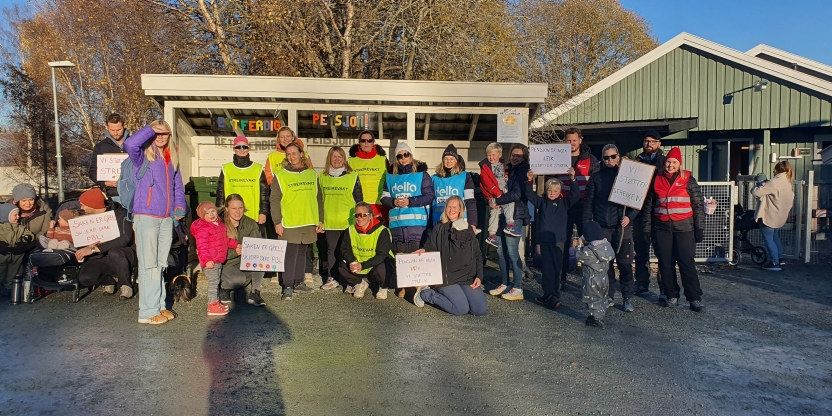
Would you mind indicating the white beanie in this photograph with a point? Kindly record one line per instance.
(402, 146)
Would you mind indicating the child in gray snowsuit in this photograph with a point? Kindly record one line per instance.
(595, 256)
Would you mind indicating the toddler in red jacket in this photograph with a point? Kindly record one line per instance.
(493, 182)
(212, 245)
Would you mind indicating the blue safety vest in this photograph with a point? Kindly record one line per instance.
(408, 185)
(444, 188)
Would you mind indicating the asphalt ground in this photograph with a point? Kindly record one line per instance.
(761, 348)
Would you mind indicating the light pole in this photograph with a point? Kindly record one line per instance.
(60, 165)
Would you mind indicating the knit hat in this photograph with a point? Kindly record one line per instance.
(403, 147)
(592, 231)
(23, 191)
(93, 198)
(654, 134)
(674, 153)
(240, 140)
(450, 151)
(6, 210)
(67, 214)
(203, 207)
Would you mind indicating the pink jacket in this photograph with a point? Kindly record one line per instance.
(212, 241)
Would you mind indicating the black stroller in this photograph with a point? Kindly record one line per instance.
(744, 221)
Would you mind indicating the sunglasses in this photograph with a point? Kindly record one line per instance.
(366, 140)
(241, 147)
(611, 157)
(361, 215)
(401, 156)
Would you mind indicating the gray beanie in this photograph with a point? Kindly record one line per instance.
(23, 191)
(402, 146)
(5, 212)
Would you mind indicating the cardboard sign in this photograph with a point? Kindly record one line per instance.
(108, 167)
(418, 269)
(263, 255)
(550, 159)
(93, 228)
(632, 183)
(511, 125)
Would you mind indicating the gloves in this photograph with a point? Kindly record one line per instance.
(699, 234)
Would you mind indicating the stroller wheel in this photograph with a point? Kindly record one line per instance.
(759, 256)
(735, 259)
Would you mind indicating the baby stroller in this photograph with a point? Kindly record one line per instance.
(744, 221)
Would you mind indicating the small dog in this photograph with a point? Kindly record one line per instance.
(181, 288)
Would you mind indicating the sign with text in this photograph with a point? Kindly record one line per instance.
(263, 255)
(108, 166)
(550, 159)
(511, 125)
(418, 269)
(93, 228)
(632, 183)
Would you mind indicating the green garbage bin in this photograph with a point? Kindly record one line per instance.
(201, 188)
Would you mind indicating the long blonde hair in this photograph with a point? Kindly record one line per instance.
(440, 168)
(784, 166)
(151, 151)
(444, 218)
(339, 150)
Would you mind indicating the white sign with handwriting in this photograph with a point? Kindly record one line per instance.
(93, 228)
(108, 166)
(418, 269)
(550, 159)
(632, 183)
(263, 255)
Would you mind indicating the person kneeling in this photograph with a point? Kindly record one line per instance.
(460, 292)
(364, 248)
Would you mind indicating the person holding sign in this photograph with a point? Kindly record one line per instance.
(297, 212)
(370, 162)
(408, 194)
(451, 179)
(460, 292)
(652, 155)
(245, 178)
(112, 143)
(340, 190)
(616, 223)
(239, 226)
(364, 249)
(677, 224)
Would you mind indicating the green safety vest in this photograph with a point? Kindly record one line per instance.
(275, 161)
(370, 173)
(339, 203)
(299, 203)
(364, 245)
(246, 183)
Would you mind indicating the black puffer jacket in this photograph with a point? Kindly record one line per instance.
(516, 192)
(459, 251)
(597, 207)
(106, 145)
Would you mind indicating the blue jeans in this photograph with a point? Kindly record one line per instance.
(772, 241)
(458, 299)
(508, 251)
(153, 239)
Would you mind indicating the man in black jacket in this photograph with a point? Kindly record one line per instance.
(112, 142)
(652, 155)
(615, 220)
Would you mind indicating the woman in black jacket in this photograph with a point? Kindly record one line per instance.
(459, 250)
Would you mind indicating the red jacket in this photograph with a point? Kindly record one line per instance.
(488, 182)
(212, 241)
(672, 199)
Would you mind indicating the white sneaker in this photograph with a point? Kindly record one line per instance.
(349, 290)
(361, 288)
(381, 294)
(513, 294)
(108, 289)
(330, 284)
(497, 291)
(417, 297)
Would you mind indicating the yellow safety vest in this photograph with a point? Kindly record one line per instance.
(370, 173)
(339, 203)
(275, 161)
(246, 183)
(299, 203)
(364, 245)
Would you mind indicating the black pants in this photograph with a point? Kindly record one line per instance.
(672, 248)
(327, 245)
(641, 244)
(551, 262)
(623, 258)
(376, 275)
(109, 269)
(573, 219)
(294, 265)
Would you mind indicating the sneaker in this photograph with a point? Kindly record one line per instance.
(513, 294)
(381, 294)
(349, 290)
(492, 240)
(216, 308)
(253, 298)
(155, 320)
(225, 296)
(697, 306)
(170, 315)
(417, 297)
(672, 302)
(126, 292)
(772, 267)
(610, 302)
(109, 289)
(497, 291)
(628, 306)
(309, 279)
(287, 294)
(509, 230)
(304, 288)
(592, 321)
(330, 284)
(361, 288)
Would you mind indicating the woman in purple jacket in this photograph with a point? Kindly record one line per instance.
(159, 199)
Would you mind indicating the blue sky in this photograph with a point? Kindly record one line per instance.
(803, 27)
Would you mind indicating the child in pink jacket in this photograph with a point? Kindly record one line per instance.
(212, 245)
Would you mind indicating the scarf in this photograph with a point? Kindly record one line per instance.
(366, 155)
(336, 172)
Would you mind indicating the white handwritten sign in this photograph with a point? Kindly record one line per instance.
(550, 159)
(93, 228)
(512, 125)
(418, 269)
(632, 183)
(263, 255)
(108, 166)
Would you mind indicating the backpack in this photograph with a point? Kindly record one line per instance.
(127, 183)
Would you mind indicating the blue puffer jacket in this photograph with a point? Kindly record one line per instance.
(159, 193)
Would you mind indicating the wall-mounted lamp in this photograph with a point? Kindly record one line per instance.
(758, 86)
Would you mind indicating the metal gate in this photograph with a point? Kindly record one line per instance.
(817, 212)
(792, 233)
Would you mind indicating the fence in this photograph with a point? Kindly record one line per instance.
(792, 233)
(818, 227)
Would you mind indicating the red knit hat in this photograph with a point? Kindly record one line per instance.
(240, 140)
(675, 153)
(93, 198)
(203, 207)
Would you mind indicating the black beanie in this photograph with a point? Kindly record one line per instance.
(450, 151)
(592, 231)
